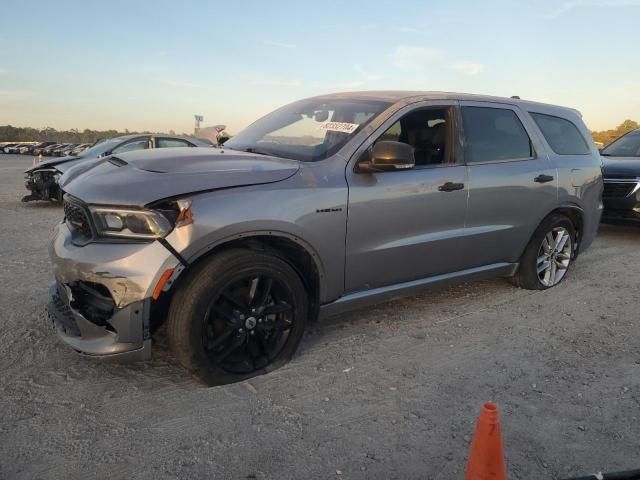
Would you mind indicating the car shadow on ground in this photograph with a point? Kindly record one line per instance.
(376, 319)
(620, 231)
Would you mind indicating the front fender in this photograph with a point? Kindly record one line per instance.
(314, 218)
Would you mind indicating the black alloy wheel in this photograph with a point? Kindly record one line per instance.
(238, 314)
(247, 325)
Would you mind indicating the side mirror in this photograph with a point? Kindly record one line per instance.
(389, 156)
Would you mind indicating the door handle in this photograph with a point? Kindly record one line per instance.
(543, 178)
(450, 187)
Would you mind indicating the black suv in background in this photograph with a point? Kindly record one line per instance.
(621, 171)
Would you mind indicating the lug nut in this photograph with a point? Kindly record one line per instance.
(239, 330)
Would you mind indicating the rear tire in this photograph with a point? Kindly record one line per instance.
(548, 255)
(240, 314)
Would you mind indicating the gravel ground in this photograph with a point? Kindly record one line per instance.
(388, 392)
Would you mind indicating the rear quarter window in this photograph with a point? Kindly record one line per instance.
(561, 134)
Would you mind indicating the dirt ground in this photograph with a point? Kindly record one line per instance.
(388, 392)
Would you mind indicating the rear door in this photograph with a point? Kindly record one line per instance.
(512, 182)
(406, 225)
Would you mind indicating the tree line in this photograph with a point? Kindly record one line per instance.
(27, 134)
(607, 136)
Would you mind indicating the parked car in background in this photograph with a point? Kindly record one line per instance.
(52, 152)
(47, 151)
(60, 151)
(6, 146)
(39, 148)
(324, 205)
(14, 149)
(79, 148)
(621, 170)
(42, 179)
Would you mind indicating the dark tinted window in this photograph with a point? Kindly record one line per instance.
(563, 136)
(139, 144)
(494, 134)
(427, 131)
(171, 142)
(626, 146)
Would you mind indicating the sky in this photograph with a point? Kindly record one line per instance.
(143, 65)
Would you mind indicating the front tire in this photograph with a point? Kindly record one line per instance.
(548, 255)
(240, 314)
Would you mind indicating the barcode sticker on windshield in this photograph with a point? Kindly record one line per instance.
(339, 127)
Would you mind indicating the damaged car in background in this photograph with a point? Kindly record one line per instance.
(42, 179)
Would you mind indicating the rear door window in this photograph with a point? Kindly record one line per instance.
(562, 135)
(171, 142)
(494, 134)
(137, 144)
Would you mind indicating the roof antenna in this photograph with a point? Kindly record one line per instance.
(517, 97)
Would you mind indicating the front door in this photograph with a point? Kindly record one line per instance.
(404, 225)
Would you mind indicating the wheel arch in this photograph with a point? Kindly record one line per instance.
(576, 216)
(574, 213)
(301, 256)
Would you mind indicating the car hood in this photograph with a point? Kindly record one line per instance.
(142, 177)
(620, 167)
(56, 162)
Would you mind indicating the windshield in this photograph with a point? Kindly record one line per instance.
(626, 146)
(101, 147)
(307, 130)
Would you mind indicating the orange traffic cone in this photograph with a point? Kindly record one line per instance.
(486, 459)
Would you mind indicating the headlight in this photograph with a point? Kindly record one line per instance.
(129, 223)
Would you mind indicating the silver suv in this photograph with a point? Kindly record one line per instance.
(325, 205)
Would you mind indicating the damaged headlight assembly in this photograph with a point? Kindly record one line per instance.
(143, 224)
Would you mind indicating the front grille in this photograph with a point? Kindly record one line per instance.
(618, 189)
(78, 220)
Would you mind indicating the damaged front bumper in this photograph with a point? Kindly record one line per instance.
(101, 301)
(125, 335)
(43, 185)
